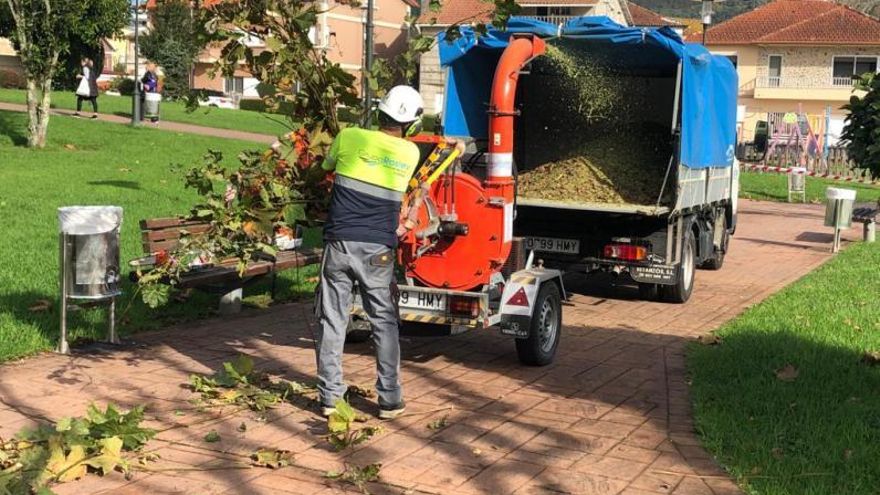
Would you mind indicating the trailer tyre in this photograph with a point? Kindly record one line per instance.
(545, 329)
(681, 291)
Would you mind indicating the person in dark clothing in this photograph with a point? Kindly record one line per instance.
(88, 87)
(149, 84)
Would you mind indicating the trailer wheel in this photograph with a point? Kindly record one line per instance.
(716, 261)
(359, 330)
(681, 291)
(539, 348)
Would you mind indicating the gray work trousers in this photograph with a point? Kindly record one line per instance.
(371, 267)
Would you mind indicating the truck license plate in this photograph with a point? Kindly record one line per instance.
(553, 245)
(422, 300)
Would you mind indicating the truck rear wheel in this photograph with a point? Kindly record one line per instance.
(681, 291)
(648, 292)
(716, 261)
(539, 348)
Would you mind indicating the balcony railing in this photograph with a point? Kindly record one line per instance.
(783, 82)
(552, 19)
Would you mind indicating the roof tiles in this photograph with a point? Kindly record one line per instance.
(815, 22)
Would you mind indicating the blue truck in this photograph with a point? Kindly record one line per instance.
(688, 91)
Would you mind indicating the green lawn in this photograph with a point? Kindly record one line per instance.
(774, 187)
(90, 162)
(240, 120)
(817, 434)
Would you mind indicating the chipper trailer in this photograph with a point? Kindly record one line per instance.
(661, 83)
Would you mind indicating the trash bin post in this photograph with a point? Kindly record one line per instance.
(63, 346)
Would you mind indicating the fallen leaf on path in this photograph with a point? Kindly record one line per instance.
(71, 147)
(439, 424)
(212, 437)
(787, 373)
(242, 427)
(40, 306)
(871, 358)
(272, 458)
(364, 392)
(710, 339)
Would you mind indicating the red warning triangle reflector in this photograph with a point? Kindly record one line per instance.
(519, 298)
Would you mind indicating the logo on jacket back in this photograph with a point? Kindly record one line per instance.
(384, 161)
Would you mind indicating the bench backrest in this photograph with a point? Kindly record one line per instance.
(163, 234)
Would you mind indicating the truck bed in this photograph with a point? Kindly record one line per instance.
(651, 211)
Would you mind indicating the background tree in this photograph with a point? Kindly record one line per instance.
(173, 44)
(862, 131)
(42, 32)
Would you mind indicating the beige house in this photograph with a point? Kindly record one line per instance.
(339, 32)
(432, 80)
(797, 56)
(8, 57)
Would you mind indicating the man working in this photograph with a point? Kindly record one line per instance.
(372, 172)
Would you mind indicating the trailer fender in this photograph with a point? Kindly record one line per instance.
(519, 297)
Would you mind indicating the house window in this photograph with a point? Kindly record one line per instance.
(774, 71)
(844, 68)
(560, 10)
(233, 85)
(552, 11)
(733, 59)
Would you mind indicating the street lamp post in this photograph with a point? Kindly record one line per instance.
(136, 95)
(368, 65)
(706, 14)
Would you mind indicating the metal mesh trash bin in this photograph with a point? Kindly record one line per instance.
(89, 255)
(151, 106)
(838, 211)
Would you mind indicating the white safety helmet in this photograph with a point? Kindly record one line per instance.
(403, 104)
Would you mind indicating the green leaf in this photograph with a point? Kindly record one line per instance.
(341, 418)
(212, 436)
(110, 456)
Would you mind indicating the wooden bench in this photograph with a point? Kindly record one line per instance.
(163, 234)
(867, 213)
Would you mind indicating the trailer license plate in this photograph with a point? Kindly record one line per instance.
(553, 245)
(422, 300)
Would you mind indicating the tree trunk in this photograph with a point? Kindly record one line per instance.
(39, 105)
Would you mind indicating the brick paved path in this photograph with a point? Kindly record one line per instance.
(612, 415)
(164, 125)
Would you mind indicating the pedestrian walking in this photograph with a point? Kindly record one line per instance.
(372, 169)
(87, 88)
(149, 84)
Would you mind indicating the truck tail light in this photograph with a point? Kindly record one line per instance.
(464, 306)
(627, 252)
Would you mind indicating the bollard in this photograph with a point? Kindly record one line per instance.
(870, 231)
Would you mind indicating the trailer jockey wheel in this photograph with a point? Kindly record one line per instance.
(545, 329)
(680, 292)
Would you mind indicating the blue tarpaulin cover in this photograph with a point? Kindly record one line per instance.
(709, 82)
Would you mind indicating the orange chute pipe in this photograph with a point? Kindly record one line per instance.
(519, 52)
